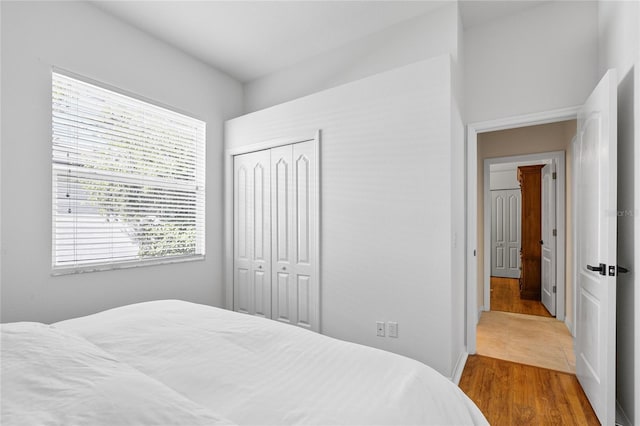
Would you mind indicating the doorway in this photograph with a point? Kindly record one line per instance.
(514, 324)
(521, 205)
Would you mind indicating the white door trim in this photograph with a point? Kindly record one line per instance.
(228, 207)
(473, 313)
(559, 158)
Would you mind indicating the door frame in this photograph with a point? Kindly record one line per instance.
(558, 157)
(314, 137)
(552, 116)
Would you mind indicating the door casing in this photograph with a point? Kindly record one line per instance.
(472, 308)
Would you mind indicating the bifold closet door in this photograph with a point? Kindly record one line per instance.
(252, 233)
(295, 291)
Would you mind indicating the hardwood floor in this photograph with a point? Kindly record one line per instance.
(508, 393)
(505, 297)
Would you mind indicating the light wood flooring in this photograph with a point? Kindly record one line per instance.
(508, 393)
(527, 339)
(505, 296)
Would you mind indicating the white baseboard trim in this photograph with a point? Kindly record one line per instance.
(569, 325)
(621, 416)
(459, 368)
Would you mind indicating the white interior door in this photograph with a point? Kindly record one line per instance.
(596, 247)
(294, 195)
(548, 241)
(252, 233)
(506, 220)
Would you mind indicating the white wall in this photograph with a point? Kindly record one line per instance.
(541, 59)
(423, 37)
(619, 47)
(386, 156)
(80, 38)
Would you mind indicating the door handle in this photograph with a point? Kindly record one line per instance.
(622, 270)
(601, 268)
(541, 242)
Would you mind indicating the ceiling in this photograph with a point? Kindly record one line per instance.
(249, 39)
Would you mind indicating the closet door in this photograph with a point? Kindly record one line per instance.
(252, 234)
(294, 204)
(505, 233)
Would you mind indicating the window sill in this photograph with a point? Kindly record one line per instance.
(57, 271)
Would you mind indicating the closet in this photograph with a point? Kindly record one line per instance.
(275, 213)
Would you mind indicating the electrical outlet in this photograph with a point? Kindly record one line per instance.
(380, 328)
(393, 329)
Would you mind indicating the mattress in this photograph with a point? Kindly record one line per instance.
(253, 371)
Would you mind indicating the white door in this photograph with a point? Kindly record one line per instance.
(505, 233)
(294, 194)
(596, 247)
(548, 241)
(252, 233)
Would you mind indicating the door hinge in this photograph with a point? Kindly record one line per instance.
(554, 175)
(555, 288)
(555, 232)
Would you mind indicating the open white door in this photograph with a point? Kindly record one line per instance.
(596, 247)
(548, 241)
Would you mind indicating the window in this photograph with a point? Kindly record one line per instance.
(128, 180)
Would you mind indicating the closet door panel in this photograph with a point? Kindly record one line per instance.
(282, 297)
(304, 226)
(261, 233)
(303, 302)
(241, 290)
(242, 235)
(281, 231)
(252, 237)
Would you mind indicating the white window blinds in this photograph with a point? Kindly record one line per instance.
(128, 180)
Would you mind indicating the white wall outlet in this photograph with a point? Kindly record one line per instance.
(393, 328)
(380, 328)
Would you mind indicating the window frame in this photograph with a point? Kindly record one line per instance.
(105, 265)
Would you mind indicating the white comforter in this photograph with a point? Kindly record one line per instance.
(51, 377)
(256, 371)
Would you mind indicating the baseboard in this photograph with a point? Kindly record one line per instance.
(569, 326)
(459, 368)
(621, 416)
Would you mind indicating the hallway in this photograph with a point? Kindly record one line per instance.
(505, 297)
(523, 331)
(526, 339)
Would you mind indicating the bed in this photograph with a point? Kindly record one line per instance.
(205, 365)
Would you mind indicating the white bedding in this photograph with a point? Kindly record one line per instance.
(256, 371)
(51, 377)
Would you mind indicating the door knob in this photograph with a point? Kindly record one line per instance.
(541, 242)
(260, 267)
(284, 268)
(601, 268)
